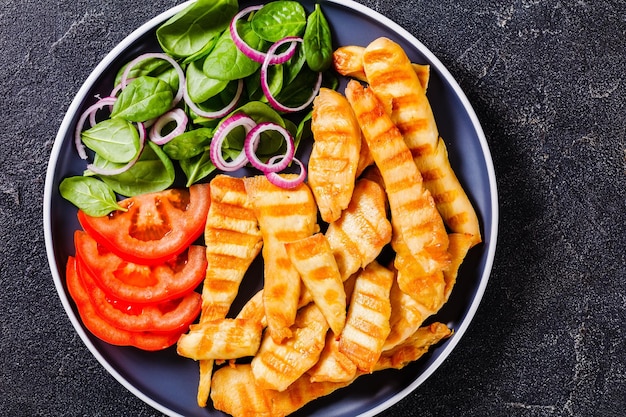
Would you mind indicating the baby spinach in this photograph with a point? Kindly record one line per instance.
(199, 39)
(275, 74)
(143, 99)
(115, 140)
(170, 76)
(198, 167)
(153, 171)
(303, 130)
(90, 195)
(201, 53)
(150, 66)
(279, 19)
(317, 41)
(189, 144)
(226, 61)
(191, 30)
(292, 68)
(199, 86)
(215, 103)
(298, 91)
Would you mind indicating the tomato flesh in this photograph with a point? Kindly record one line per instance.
(102, 329)
(166, 316)
(137, 283)
(154, 227)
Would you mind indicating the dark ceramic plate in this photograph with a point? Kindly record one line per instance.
(168, 382)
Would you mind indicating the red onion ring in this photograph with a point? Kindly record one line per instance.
(102, 171)
(106, 101)
(287, 183)
(252, 143)
(175, 115)
(247, 50)
(117, 89)
(220, 134)
(215, 114)
(265, 85)
(165, 57)
(91, 110)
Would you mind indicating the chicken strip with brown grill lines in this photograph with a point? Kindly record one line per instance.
(394, 81)
(284, 216)
(335, 155)
(414, 217)
(233, 240)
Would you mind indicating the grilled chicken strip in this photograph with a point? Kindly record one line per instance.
(367, 325)
(314, 260)
(414, 217)
(393, 80)
(233, 240)
(348, 61)
(284, 216)
(335, 154)
(237, 393)
(276, 366)
(359, 236)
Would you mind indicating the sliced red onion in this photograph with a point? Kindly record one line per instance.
(215, 114)
(265, 84)
(116, 90)
(102, 171)
(90, 112)
(287, 183)
(110, 101)
(252, 143)
(165, 57)
(176, 115)
(254, 54)
(220, 134)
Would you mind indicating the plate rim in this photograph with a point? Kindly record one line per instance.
(149, 25)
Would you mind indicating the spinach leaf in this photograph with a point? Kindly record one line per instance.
(115, 140)
(199, 86)
(189, 144)
(279, 19)
(143, 99)
(299, 90)
(150, 66)
(292, 68)
(216, 103)
(253, 83)
(197, 168)
(170, 76)
(202, 52)
(226, 61)
(189, 31)
(90, 195)
(317, 41)
(303, 131)
(153, 171)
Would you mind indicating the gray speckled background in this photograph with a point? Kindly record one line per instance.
(546, 79)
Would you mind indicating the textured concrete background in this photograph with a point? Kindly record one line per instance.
(546, 78)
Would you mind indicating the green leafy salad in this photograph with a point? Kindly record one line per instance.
(231, 88)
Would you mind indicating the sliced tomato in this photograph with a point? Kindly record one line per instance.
(155, 227)
(138, 283)
(166, 316)
(105, 331)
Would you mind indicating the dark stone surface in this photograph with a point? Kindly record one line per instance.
(546, 79)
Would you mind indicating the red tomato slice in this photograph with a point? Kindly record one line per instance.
(102, 329)
(155, 227)
(137, 283)
(166, 316)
